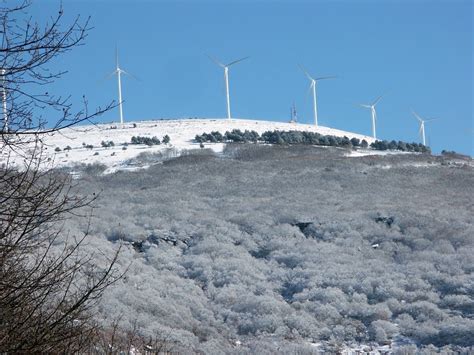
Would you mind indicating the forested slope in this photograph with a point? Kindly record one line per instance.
(275, 249)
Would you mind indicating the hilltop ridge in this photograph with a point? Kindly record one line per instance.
(83, 144)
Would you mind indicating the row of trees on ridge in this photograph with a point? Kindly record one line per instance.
(309, 138)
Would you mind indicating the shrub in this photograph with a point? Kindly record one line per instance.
(107, 144)
(346, 142)
(401, 146)
(355, 142)
(392, 145)
(145, 140)
(379, 145)
(236, 135)
(93, 169)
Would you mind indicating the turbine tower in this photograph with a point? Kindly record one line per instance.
(422, 125)
(226, 78)
(4, 100)
(312, 87)
(374, 114)
(118, 71)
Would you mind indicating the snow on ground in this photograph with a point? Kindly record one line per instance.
(181, 132)
(366, 152)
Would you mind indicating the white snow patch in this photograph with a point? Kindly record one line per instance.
(368, 152)
(181, 132)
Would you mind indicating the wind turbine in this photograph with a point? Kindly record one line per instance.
(118, 71)
(4, 100)
(422, 125)
(374, 113)
(312, 87)
(226, 78)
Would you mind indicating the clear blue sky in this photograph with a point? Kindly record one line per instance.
(420, 53)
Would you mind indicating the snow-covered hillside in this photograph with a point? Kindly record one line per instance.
(289, 250)
(181, 132)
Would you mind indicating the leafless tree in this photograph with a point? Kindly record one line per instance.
(48, 285)
(114, 340)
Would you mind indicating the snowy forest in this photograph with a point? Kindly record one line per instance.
(275, 248)
(288, 246)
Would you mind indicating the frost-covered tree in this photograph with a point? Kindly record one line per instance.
(47, 284)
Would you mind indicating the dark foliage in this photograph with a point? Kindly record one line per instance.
(145, 140)
(403, 146)
(150, 141)
(305, 138)
(355, 142)
(388, 221)
(107, 144)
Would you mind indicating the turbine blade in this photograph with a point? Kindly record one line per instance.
(363, 105)
(310, 87)
(131, 75)
(236, 61)
(108, 76)
(377, 100)
(325, 77)
(431, 119)
(417, 116)
(116, 57)
(306, 73)
(215, 61)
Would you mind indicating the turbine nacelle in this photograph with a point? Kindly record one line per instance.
(421, 120)
(314, 80)
(373, 104)
(119, 70)
(225, 65)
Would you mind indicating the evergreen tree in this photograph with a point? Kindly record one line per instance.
(355, 142)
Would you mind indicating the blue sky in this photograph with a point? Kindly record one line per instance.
(418, 53)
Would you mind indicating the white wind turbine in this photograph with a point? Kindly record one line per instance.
(422, 125)
(118, 71)
(312, 87)
(4, 100)
(374, 114)
(226, 78)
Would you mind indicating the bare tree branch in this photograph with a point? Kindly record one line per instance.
(46, 291)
